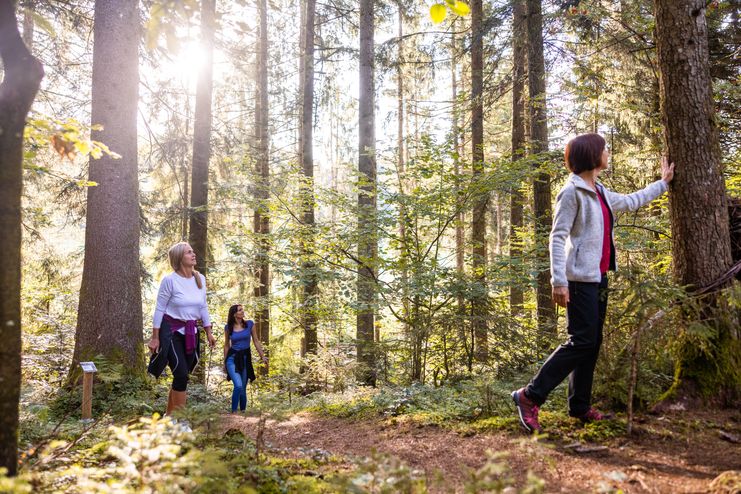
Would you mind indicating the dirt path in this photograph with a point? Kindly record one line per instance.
(669, 454)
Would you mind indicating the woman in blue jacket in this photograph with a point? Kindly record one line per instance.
(582, 250)
(237, 354)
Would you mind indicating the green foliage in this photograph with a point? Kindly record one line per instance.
(465, 400)
(66, 138)
(154, 454)
(708, 350)
(494, 477)
(609, 84)
(163, 20)
(149, 455)
(382, 474)
(634, 297)
(115, 393)
(14, 485)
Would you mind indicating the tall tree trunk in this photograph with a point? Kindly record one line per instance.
(306, 142)
(699, 212)
(185, 193)
(401, 173)
(541, 185)
(261, 218)
(28, 24)
(367, 235)
(21, 81)
(198, 235)
(497, 221)
(109, 319)
(479, 300)
(460, 251)
(519, 61)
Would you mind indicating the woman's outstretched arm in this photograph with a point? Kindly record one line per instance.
(631, 202)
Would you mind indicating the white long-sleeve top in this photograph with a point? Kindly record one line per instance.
(181, 298)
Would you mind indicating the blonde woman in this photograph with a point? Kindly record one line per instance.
(181, 302)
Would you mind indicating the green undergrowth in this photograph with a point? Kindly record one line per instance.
(126, 451)
(557, 425)
(158, 455)
(470, 406)
(465, 400)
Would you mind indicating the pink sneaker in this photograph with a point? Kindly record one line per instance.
(527, 410)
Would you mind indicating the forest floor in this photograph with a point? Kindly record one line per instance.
(681, 452)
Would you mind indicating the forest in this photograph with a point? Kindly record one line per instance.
(377, 186)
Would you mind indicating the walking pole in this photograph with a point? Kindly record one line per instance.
(208, 366)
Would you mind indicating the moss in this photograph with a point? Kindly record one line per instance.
(308, 485)
(701, 378)
(602, 431)
(507, 423)
(708, 364)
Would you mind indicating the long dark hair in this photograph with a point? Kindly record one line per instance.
(232, 319)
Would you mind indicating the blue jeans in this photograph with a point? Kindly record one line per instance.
(239, 395)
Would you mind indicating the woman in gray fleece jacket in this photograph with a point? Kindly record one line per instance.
(582, 251)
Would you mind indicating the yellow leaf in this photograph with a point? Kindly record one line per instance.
(82, 147)
(460, 8)
(438, 13)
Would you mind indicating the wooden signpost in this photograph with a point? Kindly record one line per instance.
(88, 369)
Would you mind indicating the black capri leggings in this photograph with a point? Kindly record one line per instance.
(179, 362)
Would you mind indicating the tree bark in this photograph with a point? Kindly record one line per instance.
(109, 320)
(479, 300)
(28, 25)
(198, 234)
(401, 173)
(306, 141)
(367, 235)
(541, 185)
(698, 203)
(183, 169)
(460, 252)
(261, 218)
(519, 61)
(22, 78)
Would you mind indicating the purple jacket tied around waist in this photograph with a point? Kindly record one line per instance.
(190, 331)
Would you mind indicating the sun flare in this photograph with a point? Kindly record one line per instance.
(186, 65)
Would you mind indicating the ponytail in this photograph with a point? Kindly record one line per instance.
(197, 276)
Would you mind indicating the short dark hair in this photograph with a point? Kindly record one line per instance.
(584, 152)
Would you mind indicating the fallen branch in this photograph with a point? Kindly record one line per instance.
(582, 448)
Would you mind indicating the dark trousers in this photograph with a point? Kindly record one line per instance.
(179, 362)
(577, 357)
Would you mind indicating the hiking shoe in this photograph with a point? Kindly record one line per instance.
(592, 415)
(182, 425)
(527, 410)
